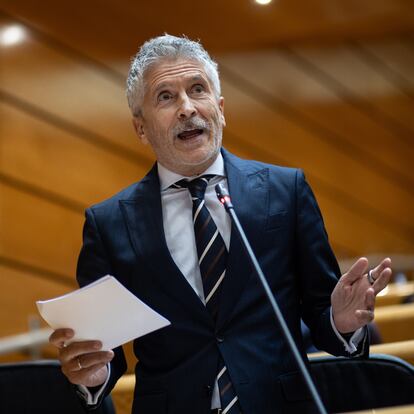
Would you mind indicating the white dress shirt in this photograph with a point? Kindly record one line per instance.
(177, 217)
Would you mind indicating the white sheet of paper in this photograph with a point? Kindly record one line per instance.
(103, 310)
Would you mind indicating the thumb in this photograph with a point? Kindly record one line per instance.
(355, 271)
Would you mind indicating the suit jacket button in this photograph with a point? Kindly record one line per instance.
(209, 390)
(219, 339)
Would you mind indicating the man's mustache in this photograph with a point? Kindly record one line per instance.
(190, 124)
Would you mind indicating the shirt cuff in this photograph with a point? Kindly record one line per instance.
(92, 399)
(352, 345)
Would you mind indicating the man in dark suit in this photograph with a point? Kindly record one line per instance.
(167, 237)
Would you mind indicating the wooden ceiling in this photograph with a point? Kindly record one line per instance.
(111, 30)
(324, 85)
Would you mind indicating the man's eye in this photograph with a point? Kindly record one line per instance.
(164, 96)
(197, 88)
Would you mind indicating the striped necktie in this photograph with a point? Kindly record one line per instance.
(212, 259)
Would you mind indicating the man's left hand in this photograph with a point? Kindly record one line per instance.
(353, 299)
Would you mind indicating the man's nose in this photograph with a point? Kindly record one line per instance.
(187, 109)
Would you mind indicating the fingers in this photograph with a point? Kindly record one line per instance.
(85, 368)
(382, 275)
(91, 360)
(370, 299)
(85, 362)
(82, 362)
(382, 281)
(76, 349)
(386, 263)
(69, 354)
(59, 337)
(366, 316)
(355, 272)
(82, 355)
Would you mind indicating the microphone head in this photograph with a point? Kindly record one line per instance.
(223, 195)
(221, 191)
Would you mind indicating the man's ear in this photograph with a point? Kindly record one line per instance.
(221, 106)
(138, 123)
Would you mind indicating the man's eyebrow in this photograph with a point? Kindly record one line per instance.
(198, 77)
(163, 85)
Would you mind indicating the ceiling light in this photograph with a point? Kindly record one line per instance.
(12, 35)
(263, 2)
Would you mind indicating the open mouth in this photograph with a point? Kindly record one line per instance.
(192, 133)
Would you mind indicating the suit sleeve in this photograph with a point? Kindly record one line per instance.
(318, 270)
(94, 263)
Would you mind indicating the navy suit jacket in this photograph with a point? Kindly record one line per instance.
(124, 237)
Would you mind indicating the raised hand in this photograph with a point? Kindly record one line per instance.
(82, 362)
(353, 299)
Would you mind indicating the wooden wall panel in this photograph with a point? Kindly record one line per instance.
(38, 232)
(69, 89)
(51, 158)
(342, 69)
(20, 292)
(364, 134)
(400, 108)
(349, 71)
(277, 80)
(394, 55)
(356, 232)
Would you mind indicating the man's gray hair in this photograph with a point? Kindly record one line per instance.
(166, 47)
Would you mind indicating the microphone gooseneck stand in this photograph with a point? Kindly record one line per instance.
(224, 198)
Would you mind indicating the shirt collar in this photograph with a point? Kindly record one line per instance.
(167, 177)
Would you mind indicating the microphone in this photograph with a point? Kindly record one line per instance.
(225, 199)
(223, 196)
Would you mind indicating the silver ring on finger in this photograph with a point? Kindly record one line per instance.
(79, 363)
(371, 278)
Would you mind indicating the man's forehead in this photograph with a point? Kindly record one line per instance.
(167, 71)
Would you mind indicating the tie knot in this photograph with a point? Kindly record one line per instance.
(197, 187)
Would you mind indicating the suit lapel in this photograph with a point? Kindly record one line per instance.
(143, 215)
(249, 194)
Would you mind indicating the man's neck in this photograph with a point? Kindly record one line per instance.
(193, 170)
(168, 177)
